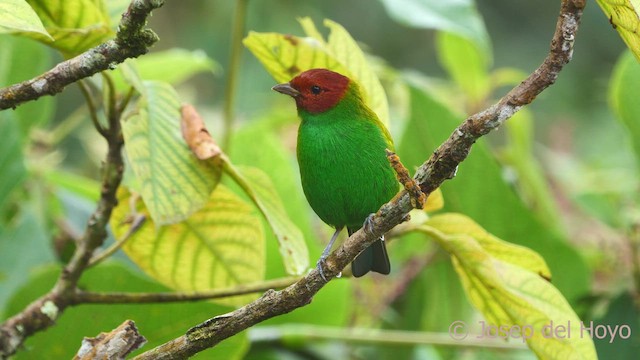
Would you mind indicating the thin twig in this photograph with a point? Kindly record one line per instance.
(93, 111)
(442, 165)
(111, 113)
(44, 311)
(123, 104)
(137, 221)
(88, 297)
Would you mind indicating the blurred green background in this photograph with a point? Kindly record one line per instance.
(580, 151)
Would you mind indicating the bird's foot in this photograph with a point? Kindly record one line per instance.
(319, 264)
(326, 252)
(368, 223)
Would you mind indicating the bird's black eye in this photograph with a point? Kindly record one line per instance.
(315, 89)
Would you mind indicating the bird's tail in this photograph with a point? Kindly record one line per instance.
(374, 258)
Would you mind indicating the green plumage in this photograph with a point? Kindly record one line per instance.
(344, 169)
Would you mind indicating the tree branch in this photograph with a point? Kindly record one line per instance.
(113, 345)
(442, 165)
(43, 312)
(131, 41)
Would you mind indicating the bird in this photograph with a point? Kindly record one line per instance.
(341, 153)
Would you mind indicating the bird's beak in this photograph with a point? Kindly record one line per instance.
(286, 89)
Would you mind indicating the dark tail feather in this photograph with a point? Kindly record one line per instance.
(374, 258)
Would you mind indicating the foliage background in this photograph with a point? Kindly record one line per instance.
(580, 145)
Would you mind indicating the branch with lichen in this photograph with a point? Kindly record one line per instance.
(116, 344)
(44, 311)
(442, 165)
(132, 40)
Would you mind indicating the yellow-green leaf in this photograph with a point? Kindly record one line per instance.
(624, 16)
(220, 246)
(173, 182)
(504, 282)
(75, 25)
(457, 224)
(435, 201)
(18, 16)
(257, 185)
(285, 56)
(344, 49)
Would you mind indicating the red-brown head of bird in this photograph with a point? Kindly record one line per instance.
(316, 90)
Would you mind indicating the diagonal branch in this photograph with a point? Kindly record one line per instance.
(131, 41)
(442, 165)
(44, 311)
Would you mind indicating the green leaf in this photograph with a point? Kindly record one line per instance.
(452, 224)
(11, 159)
(23, 246)
(345, 49)
(18, 16)
(530, 179)
(480, 192)
(285, 56)
(79, 185)
(158, 323)
(127, 74)
(624, 16)
(259, 188)
(623, 312)
(458, 17)
(174, 183)
(503, 281)
(22, 59)
(75, 25)
(507, 76)
(183, 64)
(218, 247)
(269, 154)
(466, 65)
(623, 97)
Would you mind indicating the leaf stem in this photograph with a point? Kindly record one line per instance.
(234, 68)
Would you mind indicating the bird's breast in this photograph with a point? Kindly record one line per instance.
(344, 171)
